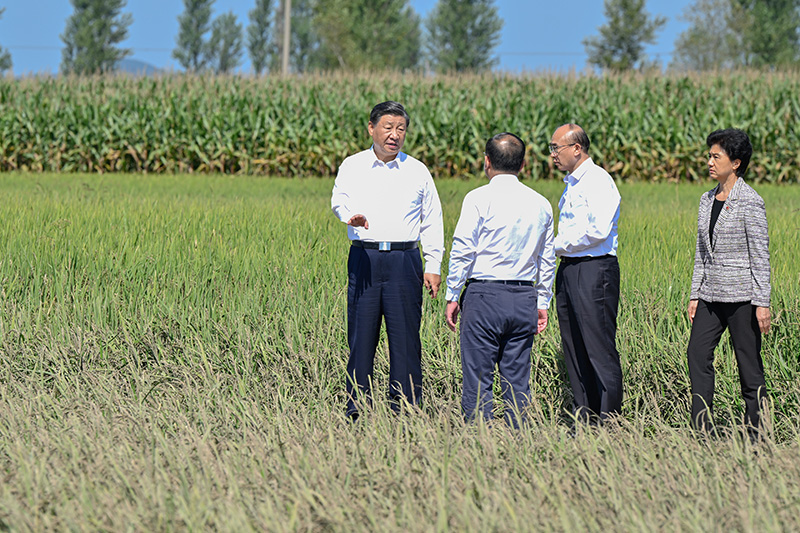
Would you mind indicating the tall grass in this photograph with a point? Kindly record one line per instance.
(645, 128)
(172, 356)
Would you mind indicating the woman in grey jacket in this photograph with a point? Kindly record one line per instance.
(730, 283)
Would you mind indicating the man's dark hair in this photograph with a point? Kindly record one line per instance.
(736, 145)
(388, 108)
(506, 152)
(577, 135)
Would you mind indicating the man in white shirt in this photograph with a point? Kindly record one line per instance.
(390, 205)
(503, 252)
(587, 282)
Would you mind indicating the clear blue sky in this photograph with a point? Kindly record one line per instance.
(537, 35)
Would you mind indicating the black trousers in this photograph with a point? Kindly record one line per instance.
(587, 301)
(711, 319)
(498, 323)
(384, 285)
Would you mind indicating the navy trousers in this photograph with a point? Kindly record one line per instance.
(498, 323)
(587, 300)
(384, 285)
(711, 319)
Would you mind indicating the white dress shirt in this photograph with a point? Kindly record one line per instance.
(398, 198)
(505, 232)
(588, 213)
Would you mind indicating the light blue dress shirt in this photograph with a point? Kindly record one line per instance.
(588, 213)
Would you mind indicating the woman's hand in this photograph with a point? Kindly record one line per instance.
(692, 310)
(764, 319)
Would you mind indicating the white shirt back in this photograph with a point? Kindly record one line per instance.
(505, 232)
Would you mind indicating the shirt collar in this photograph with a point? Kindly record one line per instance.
(394, 163)
(504, 179)
(576, 175)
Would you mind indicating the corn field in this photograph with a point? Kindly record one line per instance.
(643, 128)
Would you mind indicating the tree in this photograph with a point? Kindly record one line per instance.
(5, 57)
(259, 36)
(714, 38)
(730, 34)
(192, 51)
(304, 50)
(225, 46)
(462, 35)
(772, 36)
(367, 34)
(93, 32)
(620, 45)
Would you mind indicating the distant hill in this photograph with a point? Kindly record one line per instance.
(136, 67)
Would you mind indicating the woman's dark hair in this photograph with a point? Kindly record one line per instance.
(736, 145)
(506, 152)
(388, 108)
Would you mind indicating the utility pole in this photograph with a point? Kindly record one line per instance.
(287, 32)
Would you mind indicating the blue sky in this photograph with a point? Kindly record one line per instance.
(537, 35)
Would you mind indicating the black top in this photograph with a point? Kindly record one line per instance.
(716, 209)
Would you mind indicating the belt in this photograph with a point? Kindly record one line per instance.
(581, 259)
(386, 246)
(503, 281)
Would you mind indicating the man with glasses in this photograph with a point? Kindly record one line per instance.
(587, 281)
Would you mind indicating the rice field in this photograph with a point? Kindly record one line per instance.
(172, 358)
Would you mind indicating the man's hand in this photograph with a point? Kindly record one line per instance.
(692, 310)
(432, 282)
(764, 319)
(542, 321)
(358, 221)
(451, 313)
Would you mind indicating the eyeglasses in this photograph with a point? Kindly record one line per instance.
(555, 148)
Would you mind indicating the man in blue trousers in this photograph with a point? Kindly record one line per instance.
(503, 257)
(390, 205)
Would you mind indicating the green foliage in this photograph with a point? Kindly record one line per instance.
(643, 128)
(620, 45)
(772, 37)
(225, 45)
(714, 39)
(93, 32)
(173, 352)
(260, 43)
(462, 35)
(304, 41)
(192, 50)
(725, 34)
(365, 35)
(5, 57)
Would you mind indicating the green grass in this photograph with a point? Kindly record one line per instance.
(172, 356)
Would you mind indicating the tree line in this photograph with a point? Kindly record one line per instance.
(456, 36)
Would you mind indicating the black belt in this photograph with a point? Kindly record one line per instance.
(581, 259)
(503, 281)
(386, 246)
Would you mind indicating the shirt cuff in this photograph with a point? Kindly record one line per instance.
(433, 267)
(451, 295)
